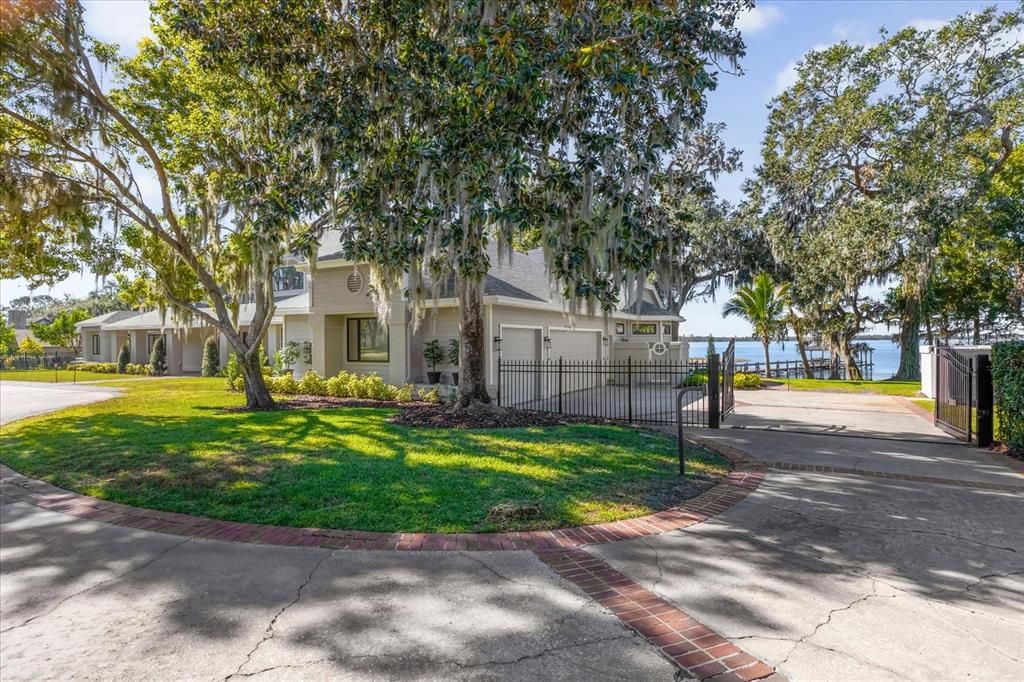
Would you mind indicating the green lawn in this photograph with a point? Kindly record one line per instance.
(167, 444)
(59, 376)
(929, 404)
(908, 389)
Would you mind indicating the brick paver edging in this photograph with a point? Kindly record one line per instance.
(734, 488)
(814, 468)
(694, 647)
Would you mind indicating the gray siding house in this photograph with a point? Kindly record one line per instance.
(331, 314)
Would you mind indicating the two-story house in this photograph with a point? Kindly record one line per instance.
(331, 316)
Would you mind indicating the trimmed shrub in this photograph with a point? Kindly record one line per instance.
(432, 396)
(696, 379)
(97, 367)
(746, 380)
(233, 371)
(211, 358)
(406, 394)
(124, 357)
(135, 368)
(158, 358)
(1008, 385)
(311, 383)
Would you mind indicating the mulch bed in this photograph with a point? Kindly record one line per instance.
(440, 417)
(419, 414)
(320, 402)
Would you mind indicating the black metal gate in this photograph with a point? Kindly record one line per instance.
(728, 377)
(636, 392)
(954, 393)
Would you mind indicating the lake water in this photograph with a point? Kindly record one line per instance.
(886, 355)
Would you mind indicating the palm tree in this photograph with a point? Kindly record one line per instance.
(763, 304)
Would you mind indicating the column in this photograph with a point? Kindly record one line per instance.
(318, 337)
(398, 353)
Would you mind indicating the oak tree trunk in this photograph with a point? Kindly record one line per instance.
(801, 347)
(850, 359)
(909, 340)
(472, 349)
(257, 395)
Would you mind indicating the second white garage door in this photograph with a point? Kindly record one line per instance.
(574, 345)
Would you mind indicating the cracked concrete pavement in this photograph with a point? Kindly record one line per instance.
(84, 600)
(845, 577)
(822, 576)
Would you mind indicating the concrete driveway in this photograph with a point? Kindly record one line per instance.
(20, 399)
(838, 576)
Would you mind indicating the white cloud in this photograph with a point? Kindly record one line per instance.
(927, 24)
(849, 30)
(787, 77)
(123, 22)
(758, 18)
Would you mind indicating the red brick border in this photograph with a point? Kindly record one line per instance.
(691, 645)
(734, 488)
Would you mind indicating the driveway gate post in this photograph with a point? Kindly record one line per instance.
(714, 404)
(985, 401)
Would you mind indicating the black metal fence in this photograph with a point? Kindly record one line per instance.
(48, 360)
(728, 379)
(628, 390)
(821, 368)
(964, 396)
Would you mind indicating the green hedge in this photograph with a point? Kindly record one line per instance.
(343, 385)
(1008, 382)
(111, 368)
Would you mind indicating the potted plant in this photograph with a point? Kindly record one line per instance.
(285, 357)
(453, 359)
(434, 355)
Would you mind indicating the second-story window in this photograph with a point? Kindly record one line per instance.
(288, 278)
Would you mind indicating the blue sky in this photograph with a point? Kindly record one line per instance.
(777, 35)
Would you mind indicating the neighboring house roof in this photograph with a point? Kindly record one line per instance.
(337, 255)
(648, 309)
(107, 318)
(21, 334)
(152, 319)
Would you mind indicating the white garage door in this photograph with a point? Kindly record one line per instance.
(520, 344)
(520, 380)
(575, 345)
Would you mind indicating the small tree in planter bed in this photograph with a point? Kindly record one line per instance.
(211, 358)
(285, 357)
(434, 355)
(453, 359)
(158, 358)
(123, 359)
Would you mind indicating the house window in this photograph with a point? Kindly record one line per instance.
(620, 327)
(150, 340)
(645, 328)
(288, 279)
(95, 344)
(666, 329)
(367, 340)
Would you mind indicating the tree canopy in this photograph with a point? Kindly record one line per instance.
(919, 124)
(230, 188)
(458, 125)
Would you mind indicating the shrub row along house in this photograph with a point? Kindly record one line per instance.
(330, 317)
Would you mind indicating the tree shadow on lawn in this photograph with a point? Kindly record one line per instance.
(346, 468)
